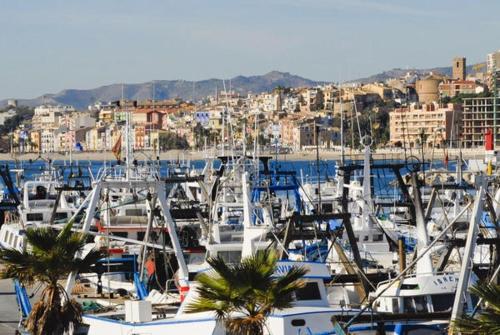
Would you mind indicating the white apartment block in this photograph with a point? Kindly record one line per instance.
(47, 141)
(49, 117)
(493, 61)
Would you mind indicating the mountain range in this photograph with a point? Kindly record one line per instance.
(189, 90)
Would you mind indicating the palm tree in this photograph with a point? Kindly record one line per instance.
(49, 257)
(243, 295)
(488, 321)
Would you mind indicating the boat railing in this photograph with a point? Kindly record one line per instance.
(416, 275)
(119, 172)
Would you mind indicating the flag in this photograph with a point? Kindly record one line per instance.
(117, 148)
(78, 146)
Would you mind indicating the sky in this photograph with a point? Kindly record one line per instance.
(50, 45)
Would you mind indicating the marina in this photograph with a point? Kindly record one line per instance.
(386, 246)
(163, 173)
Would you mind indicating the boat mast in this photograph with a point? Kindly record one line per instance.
(316, 132)
(342, 151)
(367, 188)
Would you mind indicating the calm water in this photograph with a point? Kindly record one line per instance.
(305, 170)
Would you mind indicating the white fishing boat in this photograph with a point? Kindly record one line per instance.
(43, 202)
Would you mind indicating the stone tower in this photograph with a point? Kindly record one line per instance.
(458, 68)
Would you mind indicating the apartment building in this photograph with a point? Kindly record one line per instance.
(480, 114)
(433, 124)
(48, 116)
(493, 61)
(311, 99)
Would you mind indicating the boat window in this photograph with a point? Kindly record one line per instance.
(421, 304)
(123, 234)
(409, 286)
(378, 237)
(298, 322)
(34, 217)
(365, 238)
(230, 256)
(195, 258)
(308, 292)
(417, 304)
(61, 216)
(10, 238)
(134, 212)
(442, 302)
(327, 208)
(140, 235)
(395, 305)
(41, 193)
(15, 242)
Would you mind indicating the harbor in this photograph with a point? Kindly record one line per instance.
(249, 167)
(384, 245)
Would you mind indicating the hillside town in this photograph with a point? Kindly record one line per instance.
(430, 111)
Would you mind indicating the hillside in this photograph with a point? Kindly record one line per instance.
(165, 89)
(397, 72)
(187, 90)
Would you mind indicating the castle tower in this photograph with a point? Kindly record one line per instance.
(458, 68)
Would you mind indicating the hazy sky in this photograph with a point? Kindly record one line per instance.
(49, 45)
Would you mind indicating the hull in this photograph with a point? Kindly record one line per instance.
(198, 326)
(393, 328)
(313, 321)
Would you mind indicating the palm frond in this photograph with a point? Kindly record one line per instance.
(292, 278)
(243, 295)
(85, 264)
(490, 293)
(66, 232)
(19, 265)
(41, 239)
(221, 268)
(487, 321)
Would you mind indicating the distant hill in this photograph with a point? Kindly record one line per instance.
(395, 73)
(166, 89)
